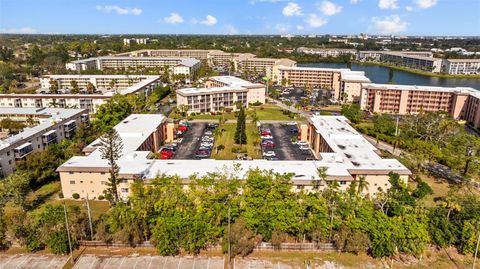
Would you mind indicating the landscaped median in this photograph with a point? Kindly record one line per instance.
(225, 149)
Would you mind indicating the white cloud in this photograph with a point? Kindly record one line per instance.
(21, 30)
(282, 28)
(408, 8)
(292, 9)
(174, 18)
(119, 10)
(388, 25)
(354, 1)
(315, 21)
(209, 20)
(329, 9)
(299, 27)
(231, 30)
(426, 3)
(388, 4)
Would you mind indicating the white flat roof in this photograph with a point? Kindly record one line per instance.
(233, 81)
(350, 147)
(187, 91)
(464, 90)
(55, 115)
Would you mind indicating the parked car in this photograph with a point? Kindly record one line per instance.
(267, 137)
(206, 144)
(304, 147)
(182, 128)
(212, 126)
(165, 154)
(269, 153)
(262, 133)
(301, 143)
(268, 144)
(202, 153)
(208, 132)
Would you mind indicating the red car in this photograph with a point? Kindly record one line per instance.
(264, 133)
(165, 154)
(183, 128)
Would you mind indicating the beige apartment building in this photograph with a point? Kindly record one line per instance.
(141, 136)
(460, 103)
(341, 151)
(326, 52)
(220, 93)
(123, 84)
(50, 126)
(461, 66)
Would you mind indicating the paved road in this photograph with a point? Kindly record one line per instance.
(383, 146)
(190, 142)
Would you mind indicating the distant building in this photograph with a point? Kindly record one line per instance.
(461, 66)
(460, 102)
(221, 93)
(53, 125)
(327, 52)
(105, 87)
(140, 41)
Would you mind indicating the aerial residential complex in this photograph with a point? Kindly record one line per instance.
(423, 60)
(343, 152)
(326, 52)
(48, 126)
(105, 86)
(220, 93)
(178, 66)
(460, 103)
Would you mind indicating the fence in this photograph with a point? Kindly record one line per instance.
(261, 246)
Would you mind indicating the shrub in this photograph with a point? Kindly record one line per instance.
(76, 196)
(101, 197)
(60, 195)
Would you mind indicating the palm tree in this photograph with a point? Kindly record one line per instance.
(74, 86)
(362, 184)
(322, 174)
(53, 86)
(90, 88)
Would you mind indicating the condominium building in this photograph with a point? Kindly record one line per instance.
(429, 64)
(460, 103)
(461, 66)
(186, 66)
(345, 84)
(371, 55)
(344, 154)
(249, 63)
(220, 93)
(327, 52)
(48, 126)
(140, 134)
(122, 84)
(348, 155)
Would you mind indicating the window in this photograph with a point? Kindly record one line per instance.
(103, 182)
(71, 173)
(343, 182)
(123, 181)
(81, 181)
(300, 187)
(124, 190)
(102, 173)
(72, 181)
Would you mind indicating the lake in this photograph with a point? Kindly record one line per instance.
(379, 74)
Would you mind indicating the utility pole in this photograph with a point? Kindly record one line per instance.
(68, 233)
(229, 253)
(89, 217)
(476, 250)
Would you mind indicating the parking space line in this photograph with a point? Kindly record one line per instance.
(179, 262)
(120, 265)
(149, 264)
(5, 265)
(93, 262)
(136, 261)
(50, 262)
(108, 261)
(193, 265)
(208, 263)
(18, 266)
(165, 262)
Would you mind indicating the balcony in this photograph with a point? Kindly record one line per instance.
(23, 150)
(49, 137)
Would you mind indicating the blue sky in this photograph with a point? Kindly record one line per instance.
(398, 17)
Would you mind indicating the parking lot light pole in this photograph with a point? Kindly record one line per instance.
(68, 233)
(89, 218)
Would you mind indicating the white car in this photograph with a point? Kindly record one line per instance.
(206, 144)
(269, 153)
(267, 137)
(302, 143)
(304, 147)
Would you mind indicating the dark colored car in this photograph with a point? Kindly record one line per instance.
(202, 153)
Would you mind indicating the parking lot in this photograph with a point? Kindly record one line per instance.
(190, 141)
(284, 148)
(32, 261)
(148, 262)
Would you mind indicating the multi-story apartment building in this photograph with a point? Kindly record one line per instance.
(461, 66)
(221, 93)
(429, 64)
(460, 103)
(141, 136)
(249, 63)
(122, 84)
(344, 153)
(347, 155)
(50, 125)
(327, 52)
(186, 66)
(371, 55)
(345, 84)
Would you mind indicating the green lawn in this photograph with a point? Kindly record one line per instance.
(264, 112)
(225, 138)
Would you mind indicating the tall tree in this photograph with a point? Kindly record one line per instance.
(74, 86)
(111, 149)
(53, 86)
(240, 133)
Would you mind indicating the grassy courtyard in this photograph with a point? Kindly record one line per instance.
(264, 112)
(226, 138)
